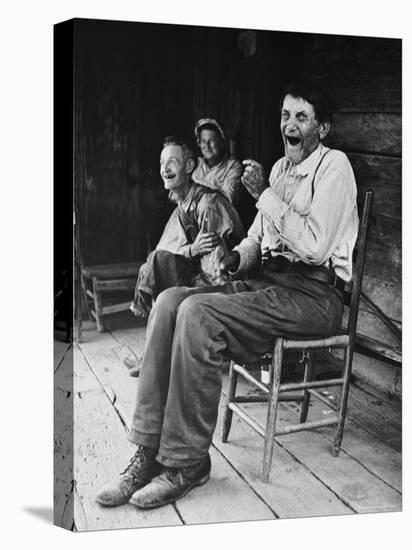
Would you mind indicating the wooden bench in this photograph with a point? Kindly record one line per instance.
(378, 350)
(105, 278)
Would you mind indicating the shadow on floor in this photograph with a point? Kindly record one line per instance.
(44, 513)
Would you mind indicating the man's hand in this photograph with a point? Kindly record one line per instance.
(230, 262)
(204, 243)
(254, 178)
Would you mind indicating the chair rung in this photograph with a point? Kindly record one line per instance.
(315, 384)
(306, 426)
(247, 418)
(264, 398)
(322, 398)
(115, 308)
(244, 372)
(251, 398)
(332, 342)
(115, 284)
(292, 428)
(290, 397)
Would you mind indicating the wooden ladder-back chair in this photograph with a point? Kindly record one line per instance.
(275, 391)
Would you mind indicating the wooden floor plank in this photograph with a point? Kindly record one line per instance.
(63, 374)
(354, 484)
(84, 378)
(225, 498)
(68, 514)
(104, 359)
(63, 456)
(306, 479)
(59, 351)
(293, 490)
(74, 374)
(371, 450)
(213, 502)
(380, 418)
(101, 449)
(101, 452)
(132, 338)
(346, 477)
(378, 457)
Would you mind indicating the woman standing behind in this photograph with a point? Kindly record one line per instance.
(215, 169)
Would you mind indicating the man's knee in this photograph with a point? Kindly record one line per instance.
(194, 309)
(171, 298)
(159, 255)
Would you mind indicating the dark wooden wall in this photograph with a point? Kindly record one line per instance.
(133, 87)
(135, 84)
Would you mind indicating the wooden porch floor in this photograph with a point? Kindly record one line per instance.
(305, 480)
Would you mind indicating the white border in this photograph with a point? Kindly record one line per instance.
(26, 260)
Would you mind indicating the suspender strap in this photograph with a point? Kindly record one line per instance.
(316, 171)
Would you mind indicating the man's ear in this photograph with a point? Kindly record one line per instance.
(324, 128)
(190, 166)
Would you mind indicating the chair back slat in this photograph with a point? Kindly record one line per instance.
(359, 264)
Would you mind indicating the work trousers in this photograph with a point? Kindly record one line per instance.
(162, 270)
(192, 335)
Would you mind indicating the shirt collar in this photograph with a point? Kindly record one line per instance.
(309, 164)
(186, 201)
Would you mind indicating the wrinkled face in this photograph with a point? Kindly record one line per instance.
(211, 145)
(301, 131)
(174, 168)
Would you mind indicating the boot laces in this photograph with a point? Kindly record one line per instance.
(138, 459)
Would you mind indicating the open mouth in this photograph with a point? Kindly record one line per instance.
(293, 140)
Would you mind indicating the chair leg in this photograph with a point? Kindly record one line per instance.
(98, 307)
(343, 400)
(276, 369)
(227, 418)
(306, 395)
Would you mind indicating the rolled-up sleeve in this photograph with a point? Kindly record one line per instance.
(250, 247)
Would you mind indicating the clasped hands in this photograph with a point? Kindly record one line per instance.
(206, 242)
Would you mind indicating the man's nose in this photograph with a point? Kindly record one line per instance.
(291, 124)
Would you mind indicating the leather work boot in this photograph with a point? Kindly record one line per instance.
(140, 311)
(172, 484)
(133, 365)
(142, 468)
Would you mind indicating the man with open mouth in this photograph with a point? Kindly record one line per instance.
(292, 266)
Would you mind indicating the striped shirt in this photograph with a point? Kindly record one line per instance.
(318, 230)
